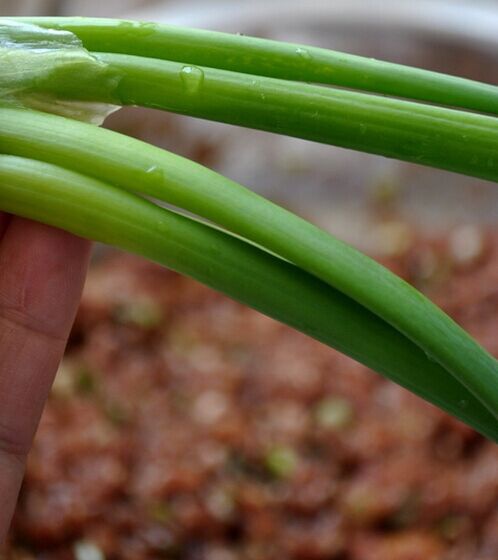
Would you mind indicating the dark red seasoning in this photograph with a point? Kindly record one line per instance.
(183, 425)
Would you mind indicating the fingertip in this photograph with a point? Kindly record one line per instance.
(42, 270)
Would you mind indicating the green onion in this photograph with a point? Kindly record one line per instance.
(274, 59)
(435, 136)
(75, 176)
(93, 209)
(134, 165)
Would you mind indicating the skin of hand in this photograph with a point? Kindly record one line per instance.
(42, 272)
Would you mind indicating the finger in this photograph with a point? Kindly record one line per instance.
(41, 277)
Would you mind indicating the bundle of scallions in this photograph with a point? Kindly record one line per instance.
(57, 72)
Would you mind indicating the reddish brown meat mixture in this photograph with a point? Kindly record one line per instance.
(184, 425)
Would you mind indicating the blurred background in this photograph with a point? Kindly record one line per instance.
(182, 425)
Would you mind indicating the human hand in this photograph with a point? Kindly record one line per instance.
(41, 277)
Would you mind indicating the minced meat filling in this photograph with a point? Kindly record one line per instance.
(183, 425)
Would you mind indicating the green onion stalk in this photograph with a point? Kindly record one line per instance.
(92, 181)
